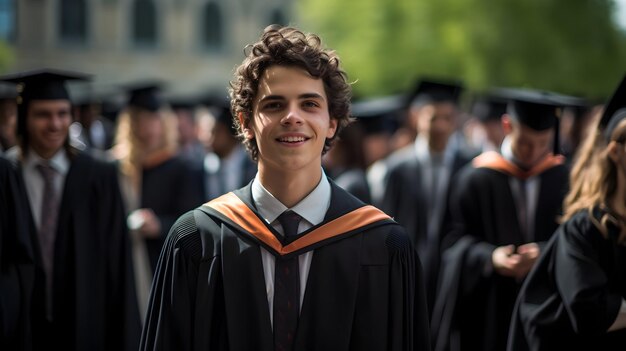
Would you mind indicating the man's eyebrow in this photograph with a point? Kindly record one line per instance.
(311, 96)
(272, 97)
(301, 96)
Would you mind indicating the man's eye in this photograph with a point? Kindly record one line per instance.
(310, 104)
(272, 106)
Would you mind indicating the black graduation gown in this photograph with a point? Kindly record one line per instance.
(364, 289)
(406, 202)
(169, 190)
(16, 263)
(474, 304)
(94, 301)
(574, 293)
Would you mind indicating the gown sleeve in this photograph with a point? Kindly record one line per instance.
(409, 326)
(186, 306)
(583, 284)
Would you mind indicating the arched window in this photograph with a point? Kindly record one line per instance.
(144, 23)
(212, 28)
(7, 20)
(73, 20)
(278, 17)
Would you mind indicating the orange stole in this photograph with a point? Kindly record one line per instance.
(232, 207)
(495, 161)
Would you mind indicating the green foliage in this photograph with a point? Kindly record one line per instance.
(6, 56)
(570, 46)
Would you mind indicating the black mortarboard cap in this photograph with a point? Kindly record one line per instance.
(182, 103)
(146, 95)
(44, 84)
(489, 108)
(435, 90)
(378, 115)
(538, 110)
(614, 110)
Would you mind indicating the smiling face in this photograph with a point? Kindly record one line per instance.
(290, 121)
(47, 124)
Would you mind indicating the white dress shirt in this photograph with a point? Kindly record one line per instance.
(312, 209)
(435, 179)
(532, 185)
(34, 181)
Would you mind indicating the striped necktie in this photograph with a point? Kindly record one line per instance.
(286, 289)
(47, 229)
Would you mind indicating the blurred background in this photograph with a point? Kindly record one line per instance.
(571, 46)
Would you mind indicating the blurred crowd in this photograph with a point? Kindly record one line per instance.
(408, 154)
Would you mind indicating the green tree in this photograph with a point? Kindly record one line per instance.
(6, 56)
(570, 46)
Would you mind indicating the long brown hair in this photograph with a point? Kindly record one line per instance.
(128, 150)
(593, 179)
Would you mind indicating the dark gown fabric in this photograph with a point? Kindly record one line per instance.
(574, 293)
(364, 290)
(169, 190)
(94, 302)
(405, 200)
(474, 304)
(16, 263)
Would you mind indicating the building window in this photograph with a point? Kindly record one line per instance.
(212, 28)
(73, 20)
(144, 23)
(7, 20)
(278, 17)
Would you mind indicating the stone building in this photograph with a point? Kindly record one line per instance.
(193, 45)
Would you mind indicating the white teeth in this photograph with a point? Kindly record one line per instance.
(292, 139)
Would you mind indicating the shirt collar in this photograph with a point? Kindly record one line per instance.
(309, 208)
(59, 162)
(423, 152)
(506, 150)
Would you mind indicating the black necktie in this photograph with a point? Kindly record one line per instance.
(286, 289)
(47, 229)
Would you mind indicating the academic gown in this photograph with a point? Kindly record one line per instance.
(168, 188)
(16, 263)
(94, 303)
(404, 199)
(574, 294)
(364, 290)
(474, 304)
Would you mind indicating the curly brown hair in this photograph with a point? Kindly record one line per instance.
(287, 46)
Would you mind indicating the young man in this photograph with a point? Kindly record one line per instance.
(418, 176)
(81, 289)
(503, 207)
(290, 261)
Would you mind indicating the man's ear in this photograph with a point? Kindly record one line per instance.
(507, 124)
(332, 127)
(613, 150)
(246, 131)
